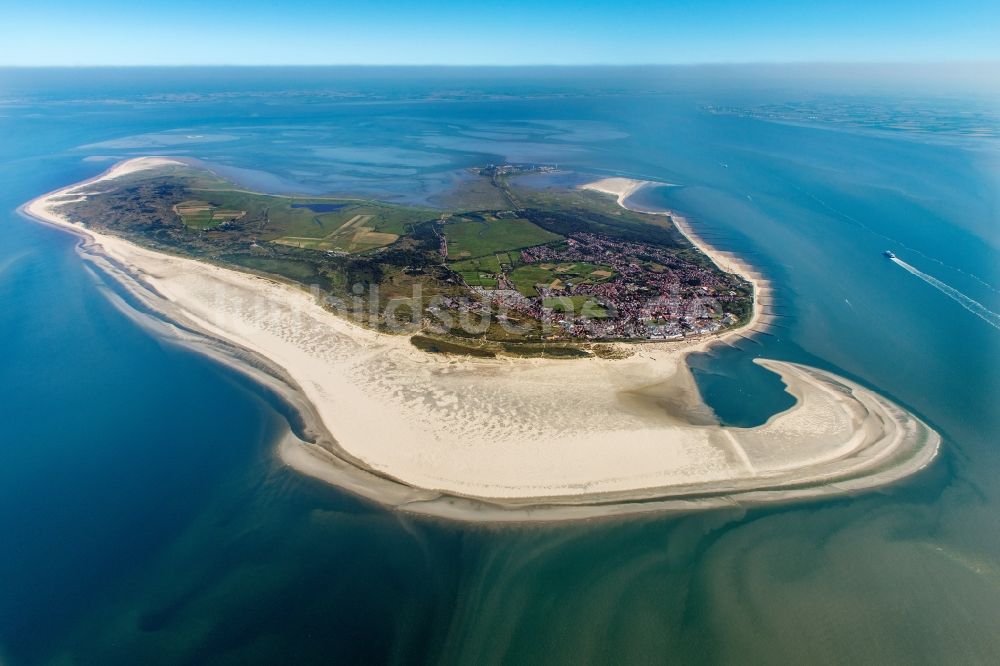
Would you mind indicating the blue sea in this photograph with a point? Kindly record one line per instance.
(144, 518)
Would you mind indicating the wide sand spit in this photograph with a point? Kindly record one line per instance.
(506, 439)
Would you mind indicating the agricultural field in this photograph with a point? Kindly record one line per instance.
(482, 234)
(478, 272)
(298, 220)
(355, 235)
(349, 226)
(204, 215)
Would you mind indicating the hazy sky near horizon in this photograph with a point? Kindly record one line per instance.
(514, 32)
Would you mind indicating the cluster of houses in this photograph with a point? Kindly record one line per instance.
(649, 293)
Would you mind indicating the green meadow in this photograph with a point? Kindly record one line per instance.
(344, 225)
(480, 234)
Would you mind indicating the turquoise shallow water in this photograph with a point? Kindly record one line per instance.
(144, 519)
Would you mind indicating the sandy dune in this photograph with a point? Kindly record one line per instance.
(512, 438)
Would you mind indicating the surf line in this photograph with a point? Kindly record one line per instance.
(973, 306)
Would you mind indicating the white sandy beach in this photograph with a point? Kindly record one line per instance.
(580, 432)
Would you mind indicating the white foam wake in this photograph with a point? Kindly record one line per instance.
(973, 306)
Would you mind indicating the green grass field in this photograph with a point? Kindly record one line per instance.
(302, 222)
(477, 279)
(580, 304)
(508, 260)
(333, 224)
(356, 227)
(527, 276)
(356, 234)
(484, 235)
(487, 264)
(205, 215)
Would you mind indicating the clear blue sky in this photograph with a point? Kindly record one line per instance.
(502, 32)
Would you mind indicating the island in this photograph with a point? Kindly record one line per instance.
(519, 355)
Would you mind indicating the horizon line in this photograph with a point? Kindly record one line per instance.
(743, 63)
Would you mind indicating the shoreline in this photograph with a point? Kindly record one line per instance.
(623, 188)
(411, 431)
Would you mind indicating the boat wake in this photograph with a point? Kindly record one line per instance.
(895, 241)
(973, 306)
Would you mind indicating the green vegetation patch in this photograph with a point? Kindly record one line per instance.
(591, 212)
(352, 228)
(544, 351)
(490, 350)
(580, 304)
(479, 235)
(437, 346)
(298, 271)
(527, 277)
(343, 225)
(477, 279)
(487, 264)
(205, 215)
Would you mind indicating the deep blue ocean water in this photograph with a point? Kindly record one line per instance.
(143, 518)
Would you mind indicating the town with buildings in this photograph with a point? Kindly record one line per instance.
(636, 291)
